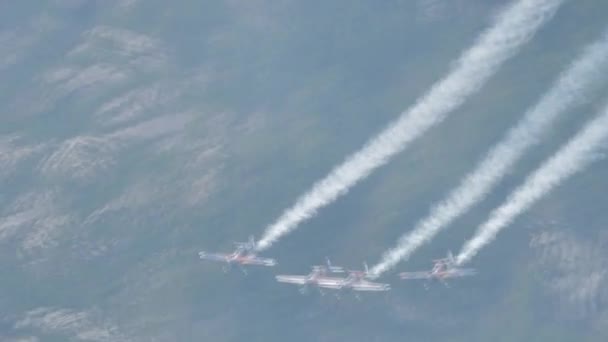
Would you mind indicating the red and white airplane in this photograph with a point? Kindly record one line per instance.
(318, 276)
(242, 256)
(442, 269)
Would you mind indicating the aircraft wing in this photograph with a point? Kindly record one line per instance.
(370, 287)
(257, 261)
(330, 283)
(212, 256)
(292, 279)
(415, 275)
(462, 272)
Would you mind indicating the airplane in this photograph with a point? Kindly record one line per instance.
(317, 275)
(243, 255)
(356, 281)
(442, 269)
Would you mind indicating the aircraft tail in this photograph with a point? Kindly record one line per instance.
(334, 269)
(246, 246)
(451, 259)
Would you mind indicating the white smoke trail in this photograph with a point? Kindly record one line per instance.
(573, 157)
(513, 27)
(585, 74)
